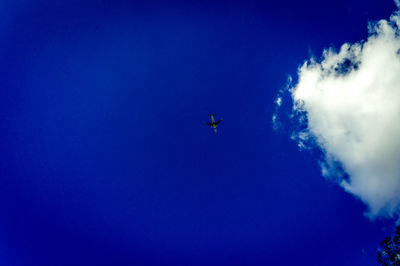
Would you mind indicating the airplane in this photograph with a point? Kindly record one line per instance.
(213, 124)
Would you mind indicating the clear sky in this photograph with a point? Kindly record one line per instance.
(104, 155)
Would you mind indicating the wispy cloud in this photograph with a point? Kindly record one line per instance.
(278, 103)
(397, 2)
(349, 104)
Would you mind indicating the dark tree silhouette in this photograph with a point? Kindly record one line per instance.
(389, 253)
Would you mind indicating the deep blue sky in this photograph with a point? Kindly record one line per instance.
(104, 155)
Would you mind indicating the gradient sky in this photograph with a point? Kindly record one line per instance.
(104, 155)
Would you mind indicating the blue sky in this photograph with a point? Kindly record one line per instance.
(105, 158)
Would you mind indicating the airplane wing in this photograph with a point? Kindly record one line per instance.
(216, 123)
(209, 124)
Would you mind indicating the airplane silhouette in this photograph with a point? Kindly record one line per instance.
(213, 124)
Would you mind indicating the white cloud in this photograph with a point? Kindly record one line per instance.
(278, 101)
(350, 104)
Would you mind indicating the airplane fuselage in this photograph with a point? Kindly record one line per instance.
(213, 124)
